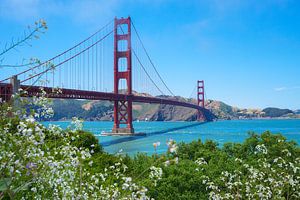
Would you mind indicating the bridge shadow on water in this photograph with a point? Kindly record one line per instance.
(122, 139)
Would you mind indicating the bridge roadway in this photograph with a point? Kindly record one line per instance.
(93, 95)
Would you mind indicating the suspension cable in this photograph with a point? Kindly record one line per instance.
(143, 65)
(70, 58)
(193, 92)
(146, 71)
(61, 53)
(151, 60)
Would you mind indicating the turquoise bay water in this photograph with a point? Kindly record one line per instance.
(219, 131)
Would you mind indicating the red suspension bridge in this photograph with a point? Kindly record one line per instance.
(85, 72)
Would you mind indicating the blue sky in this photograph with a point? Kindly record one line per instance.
(248, 52)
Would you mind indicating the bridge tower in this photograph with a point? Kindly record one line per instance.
(200, 98)
(6, 91)
(122, 108)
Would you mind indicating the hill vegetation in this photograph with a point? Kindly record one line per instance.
(87, 110)
(276, 112)
(103, 110)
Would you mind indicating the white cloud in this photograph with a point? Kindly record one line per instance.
(280, 89)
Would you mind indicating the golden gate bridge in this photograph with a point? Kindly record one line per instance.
(86, 71)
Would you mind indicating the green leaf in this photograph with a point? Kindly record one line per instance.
(4, 183)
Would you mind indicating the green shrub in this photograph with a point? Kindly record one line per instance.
(84, 139)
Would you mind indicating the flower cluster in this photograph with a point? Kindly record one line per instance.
(261, 148)
(42, 163)
(268, 179)
(112, 183)
(172, 151)
(155, 174)
(76, 124)
(171, 161)
(200, 162)
(39, 107)
(172, 146)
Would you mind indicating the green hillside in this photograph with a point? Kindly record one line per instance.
(103, 110)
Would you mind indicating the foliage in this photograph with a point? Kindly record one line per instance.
(39, 162)
(83, 139)
(50, 162)
(276, 112)
(265, 166)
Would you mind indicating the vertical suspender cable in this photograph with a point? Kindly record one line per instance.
(151, 60)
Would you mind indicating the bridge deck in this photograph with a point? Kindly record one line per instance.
(93, 95)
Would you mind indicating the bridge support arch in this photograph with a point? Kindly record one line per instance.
(122, 108)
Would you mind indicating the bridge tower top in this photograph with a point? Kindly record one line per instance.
(200, 94)
(200, 99)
